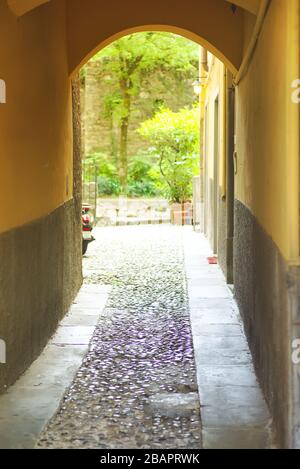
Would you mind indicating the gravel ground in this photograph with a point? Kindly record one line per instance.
(137, 386)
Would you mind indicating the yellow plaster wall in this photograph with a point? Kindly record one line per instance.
(267, 129)
(215, 87)
(35, 123)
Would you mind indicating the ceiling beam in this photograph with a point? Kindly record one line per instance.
(21, 7)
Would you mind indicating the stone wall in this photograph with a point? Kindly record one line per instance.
(99, 133)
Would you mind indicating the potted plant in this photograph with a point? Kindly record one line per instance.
(174, 137)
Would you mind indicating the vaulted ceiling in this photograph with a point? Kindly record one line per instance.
(21, 7)
(249, 5)
(93, 24)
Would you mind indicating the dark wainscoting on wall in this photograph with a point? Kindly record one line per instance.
(39, 278)
(261, 288)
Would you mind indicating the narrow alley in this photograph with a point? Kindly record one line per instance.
(168, 113)
(137, 386)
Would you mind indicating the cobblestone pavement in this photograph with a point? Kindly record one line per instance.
(137, 385)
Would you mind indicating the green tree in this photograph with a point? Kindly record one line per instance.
(130, 60)
(174, 137)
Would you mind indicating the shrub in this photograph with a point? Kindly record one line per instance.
(141, 182)
(143, 188)
(108, 186)
(175, 143)
(139, 168)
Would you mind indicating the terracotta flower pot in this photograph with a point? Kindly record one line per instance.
(181, 214)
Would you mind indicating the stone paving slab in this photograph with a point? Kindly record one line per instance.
(200, 328)
(233, 411)
(241, 438)
(210, 316)
(224, 375)
(200, 291)
(231, 417)
(215, 358)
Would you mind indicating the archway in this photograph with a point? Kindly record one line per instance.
(211, 23)
(123, 89)
(198, 285)
(159, 28)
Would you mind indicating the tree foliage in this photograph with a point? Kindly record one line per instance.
(174, 139)
(130, 61)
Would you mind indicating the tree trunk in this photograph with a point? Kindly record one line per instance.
(113, 140)
(123, 160)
